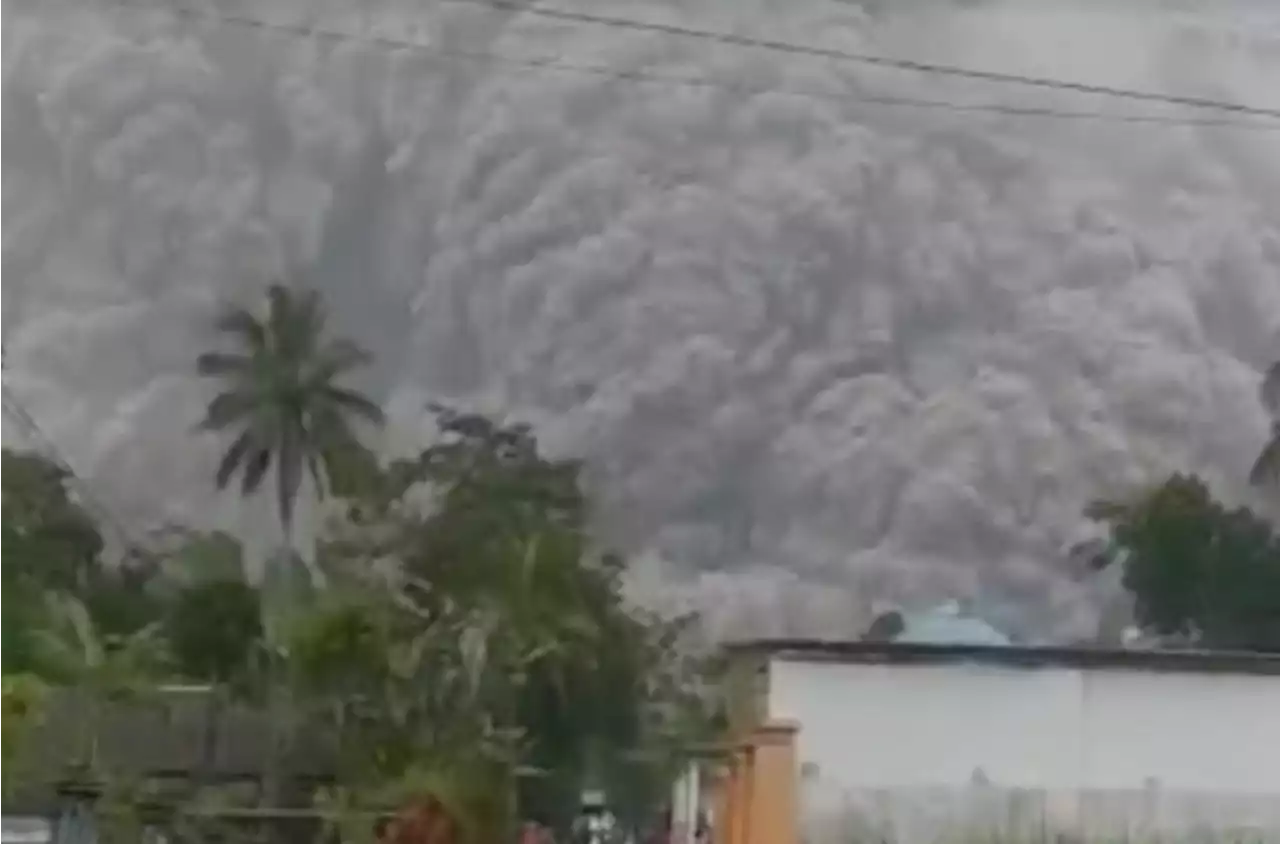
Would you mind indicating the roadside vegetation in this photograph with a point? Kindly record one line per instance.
(454, 642)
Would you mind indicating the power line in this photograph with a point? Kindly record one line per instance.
(860, 58)
(46, 447)
(646, 77)
(14, 409)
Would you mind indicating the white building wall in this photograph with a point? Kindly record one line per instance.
(1170, 749)
(1211, 732)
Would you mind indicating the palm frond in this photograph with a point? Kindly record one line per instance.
(227, 408)
(334, 359)
(218, 364)
(243, 324)
(319, 474)
(70, 645)
(255, 470)
(232, 458)
(80, 624)
(355, 402)
(281, 397)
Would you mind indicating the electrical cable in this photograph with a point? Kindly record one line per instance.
(47, 449)
(14, 408)
(878, 61)
(556, 64)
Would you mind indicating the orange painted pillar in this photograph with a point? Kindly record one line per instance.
(734, 825)
(722, 819)
(772, 815)
(744, 833)
(731, 824)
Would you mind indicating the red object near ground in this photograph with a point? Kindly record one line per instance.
(424, 821)
(535, 833)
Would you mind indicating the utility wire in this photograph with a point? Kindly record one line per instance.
(46, 447)
(14, 409)
(860, 58)
(645, 77)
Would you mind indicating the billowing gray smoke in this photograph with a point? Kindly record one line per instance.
(820, 351)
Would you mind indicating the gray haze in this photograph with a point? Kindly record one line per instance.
(819, 352)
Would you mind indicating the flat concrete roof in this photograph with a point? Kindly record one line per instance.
(1010, 656)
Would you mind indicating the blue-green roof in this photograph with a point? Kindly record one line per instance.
(946, 626)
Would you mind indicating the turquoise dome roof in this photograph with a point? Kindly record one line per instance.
(945, 626)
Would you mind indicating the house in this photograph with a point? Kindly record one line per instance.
(905, 740)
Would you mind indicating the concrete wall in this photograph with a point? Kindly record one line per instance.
(978, 814)
(1170, 751)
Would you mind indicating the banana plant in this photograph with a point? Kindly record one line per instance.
(25, 697)
(95, 667)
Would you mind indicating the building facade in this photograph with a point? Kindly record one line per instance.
(904, 742)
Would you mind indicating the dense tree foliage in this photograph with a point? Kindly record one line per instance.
(505, 552)
(23, 707)
(1199, 570)
(48, 539)
(1196, 567)
(212, 628)
(98, 667)
(52, 544)
(467, 647)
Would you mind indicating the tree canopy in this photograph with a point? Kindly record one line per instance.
(469, 642)
(1195, 567)
(281, 394)
(52, 544)
(505, 551)
(48, 538)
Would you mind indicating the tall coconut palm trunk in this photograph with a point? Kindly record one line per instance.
(278, 708)
(280, 605)
(277, 606)
(282, 400)
(206, 774)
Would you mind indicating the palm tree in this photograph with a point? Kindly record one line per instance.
(281, 396)
(1267, 466)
